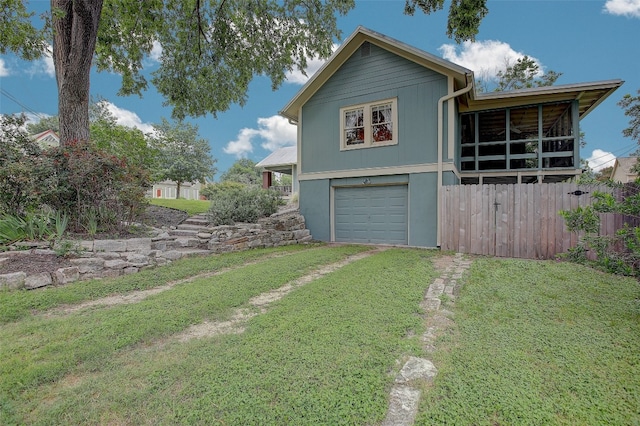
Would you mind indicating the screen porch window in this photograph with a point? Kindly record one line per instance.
(369, 125)
(534, 137)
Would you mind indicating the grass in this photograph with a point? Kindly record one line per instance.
(323, 352)
(17, 305)
(539, 343)
(533, 343)
(190, 206)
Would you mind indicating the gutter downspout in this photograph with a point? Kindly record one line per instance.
(441, 102)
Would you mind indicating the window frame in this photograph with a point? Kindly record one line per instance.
(368, 124)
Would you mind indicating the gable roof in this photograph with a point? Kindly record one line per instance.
(462, 76)
(282, 158)
(589, 95)
(623, 168)
(47, 138)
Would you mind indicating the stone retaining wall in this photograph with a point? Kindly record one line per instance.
(111, 258)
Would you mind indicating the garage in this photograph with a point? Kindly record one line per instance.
(371, 214)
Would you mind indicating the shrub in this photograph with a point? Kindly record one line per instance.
(618, 254)
(242, 204)
(100, 192)
(212, 190)
(91, 188)
(24, 173)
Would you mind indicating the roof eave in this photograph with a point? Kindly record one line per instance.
(551, 93)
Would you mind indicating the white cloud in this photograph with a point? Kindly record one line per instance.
(128, 118)
(600, 159)
(34, 117)
(44, 65)
(156, 52)
(4, 71)
(630, 8)
(275, 132)
(484, 58)
(313, 65)
(242, 146)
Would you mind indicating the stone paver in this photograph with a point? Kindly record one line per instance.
(405, 398)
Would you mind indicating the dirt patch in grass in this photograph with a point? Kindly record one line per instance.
(137, 296)
(258, 304)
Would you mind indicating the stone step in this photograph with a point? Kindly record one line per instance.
(196, 220)
(184, 232)
(191, 227)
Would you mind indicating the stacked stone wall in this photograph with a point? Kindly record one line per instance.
(111, 258)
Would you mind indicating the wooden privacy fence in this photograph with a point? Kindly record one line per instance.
(515, 220)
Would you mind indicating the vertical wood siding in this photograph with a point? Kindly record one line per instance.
(381, 75)
(519, 221)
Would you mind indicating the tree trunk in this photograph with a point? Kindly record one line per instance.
(74, 44)
(178, 185)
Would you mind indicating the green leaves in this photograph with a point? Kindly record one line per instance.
(524, 74)
(211, 50)
(618, 254)
(242, 171)
(17, 33)
(631, 104)
(183, 157)
(465, 16)
(581, 219)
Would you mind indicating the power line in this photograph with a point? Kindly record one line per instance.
(605, 164)
(623, 149)
(16, 100)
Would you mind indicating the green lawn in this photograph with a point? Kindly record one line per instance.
(533, 343)
(190, 206)
(539, 343)
(321, 354)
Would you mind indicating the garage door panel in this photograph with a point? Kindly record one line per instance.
(371, 214)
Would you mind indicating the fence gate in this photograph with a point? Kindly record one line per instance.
(519, 220)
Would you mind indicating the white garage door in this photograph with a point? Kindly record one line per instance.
(372, 214)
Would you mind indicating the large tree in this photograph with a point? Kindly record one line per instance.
(243, 171)
(524, 74)
(183, 156)
(108, 135)
(211, 49)
(465, 16)
(126, 142)
(631, 105)
(44, 124)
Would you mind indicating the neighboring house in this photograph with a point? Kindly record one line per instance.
(283, 160)
(47, 139)
(623, 170)
(382, 126)
(168, 189)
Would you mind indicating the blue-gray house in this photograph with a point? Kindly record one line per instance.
(382, 126)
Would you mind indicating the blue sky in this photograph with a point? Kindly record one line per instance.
(585, 40)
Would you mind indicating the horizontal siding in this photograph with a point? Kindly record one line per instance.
(381, 75)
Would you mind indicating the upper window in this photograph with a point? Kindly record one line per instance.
(368, 125)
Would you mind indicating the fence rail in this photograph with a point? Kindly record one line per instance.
(516, 220)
